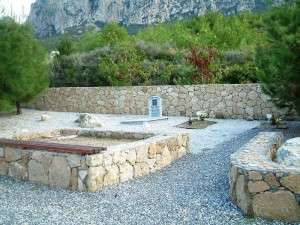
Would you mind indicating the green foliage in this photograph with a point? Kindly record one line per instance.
(205, 49)
(23, 68)
(279, 60)
(65, 45)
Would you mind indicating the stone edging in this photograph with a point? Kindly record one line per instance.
(261, 187)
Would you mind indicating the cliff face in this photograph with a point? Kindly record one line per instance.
(52, 17)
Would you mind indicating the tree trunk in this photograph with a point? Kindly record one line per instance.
(18, 106)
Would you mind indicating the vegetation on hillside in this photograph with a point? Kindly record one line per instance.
(207, 49)
(23, 66)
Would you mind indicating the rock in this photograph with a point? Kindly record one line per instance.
(88, 121)
(112, 176)
(126, 172)
(289, 153)
(95, 178)
(1, 152)
(119, 157)
(270, 178)
(37, 172)
(141, 169)
(74, 160)
(280, 205)
(131, 157)
(59, 172)
(291, 182)
(258, 186)
(95, 160)
(74, 15)
(74, 179)
(142, 154)
(152, 151)
(242, 197)
(3, 167)
(17, 170)
(45, 117)
(12, 154)
(253, 175)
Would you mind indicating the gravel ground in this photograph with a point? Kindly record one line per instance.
(192, 191)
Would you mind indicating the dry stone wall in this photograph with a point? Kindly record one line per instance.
(91, 173)
(262, 187)
(223, 101)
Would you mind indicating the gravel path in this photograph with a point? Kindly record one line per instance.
(192, 191)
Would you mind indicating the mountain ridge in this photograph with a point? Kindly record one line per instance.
(53, 17)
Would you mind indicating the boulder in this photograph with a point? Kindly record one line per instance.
(289, 153)
(86, 120)
(45, 117)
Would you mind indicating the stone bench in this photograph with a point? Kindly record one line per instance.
(262, 187)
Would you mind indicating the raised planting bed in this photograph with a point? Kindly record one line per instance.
(262, 187)
(87, 160)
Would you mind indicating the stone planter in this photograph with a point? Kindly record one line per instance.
(262, 187)
(85, 168)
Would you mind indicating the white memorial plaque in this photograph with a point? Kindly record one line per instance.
(155, 106)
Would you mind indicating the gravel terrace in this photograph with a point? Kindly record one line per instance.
(193, 190)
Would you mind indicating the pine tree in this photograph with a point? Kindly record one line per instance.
(23, 66)
(280, 59)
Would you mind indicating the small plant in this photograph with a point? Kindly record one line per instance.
(202, 60)
(201, 115)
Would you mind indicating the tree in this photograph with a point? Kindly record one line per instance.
(280, 59)
(65, 45)
(23, 66)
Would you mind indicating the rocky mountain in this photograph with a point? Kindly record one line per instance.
(52, 17)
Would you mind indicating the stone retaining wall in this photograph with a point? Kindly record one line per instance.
(116, 164)
(261, 187)
(223, 101)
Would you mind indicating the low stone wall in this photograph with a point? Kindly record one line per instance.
(218, 100)
(92, 172)
(262, 187)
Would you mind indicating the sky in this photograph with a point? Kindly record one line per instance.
(19, 8)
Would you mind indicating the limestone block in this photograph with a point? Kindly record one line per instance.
(165, 158)
(3, 167)
(18, 170)
(94, 160)
(112, 176)
(107, 160)
(141, 169)
(142, 153)
(119, 157)
(95, 178)
(131, 157)
(258, 186)
(270, 178)
(74, 160)
(276, 205)
(37, 172)
(289, 153)
(152, 151)
(59, 172)
(12, 154)
(242, 197)
(126, 172)
(74, 179)
(253, 175)
(291, 182)
(82, 174)
(1, 152)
